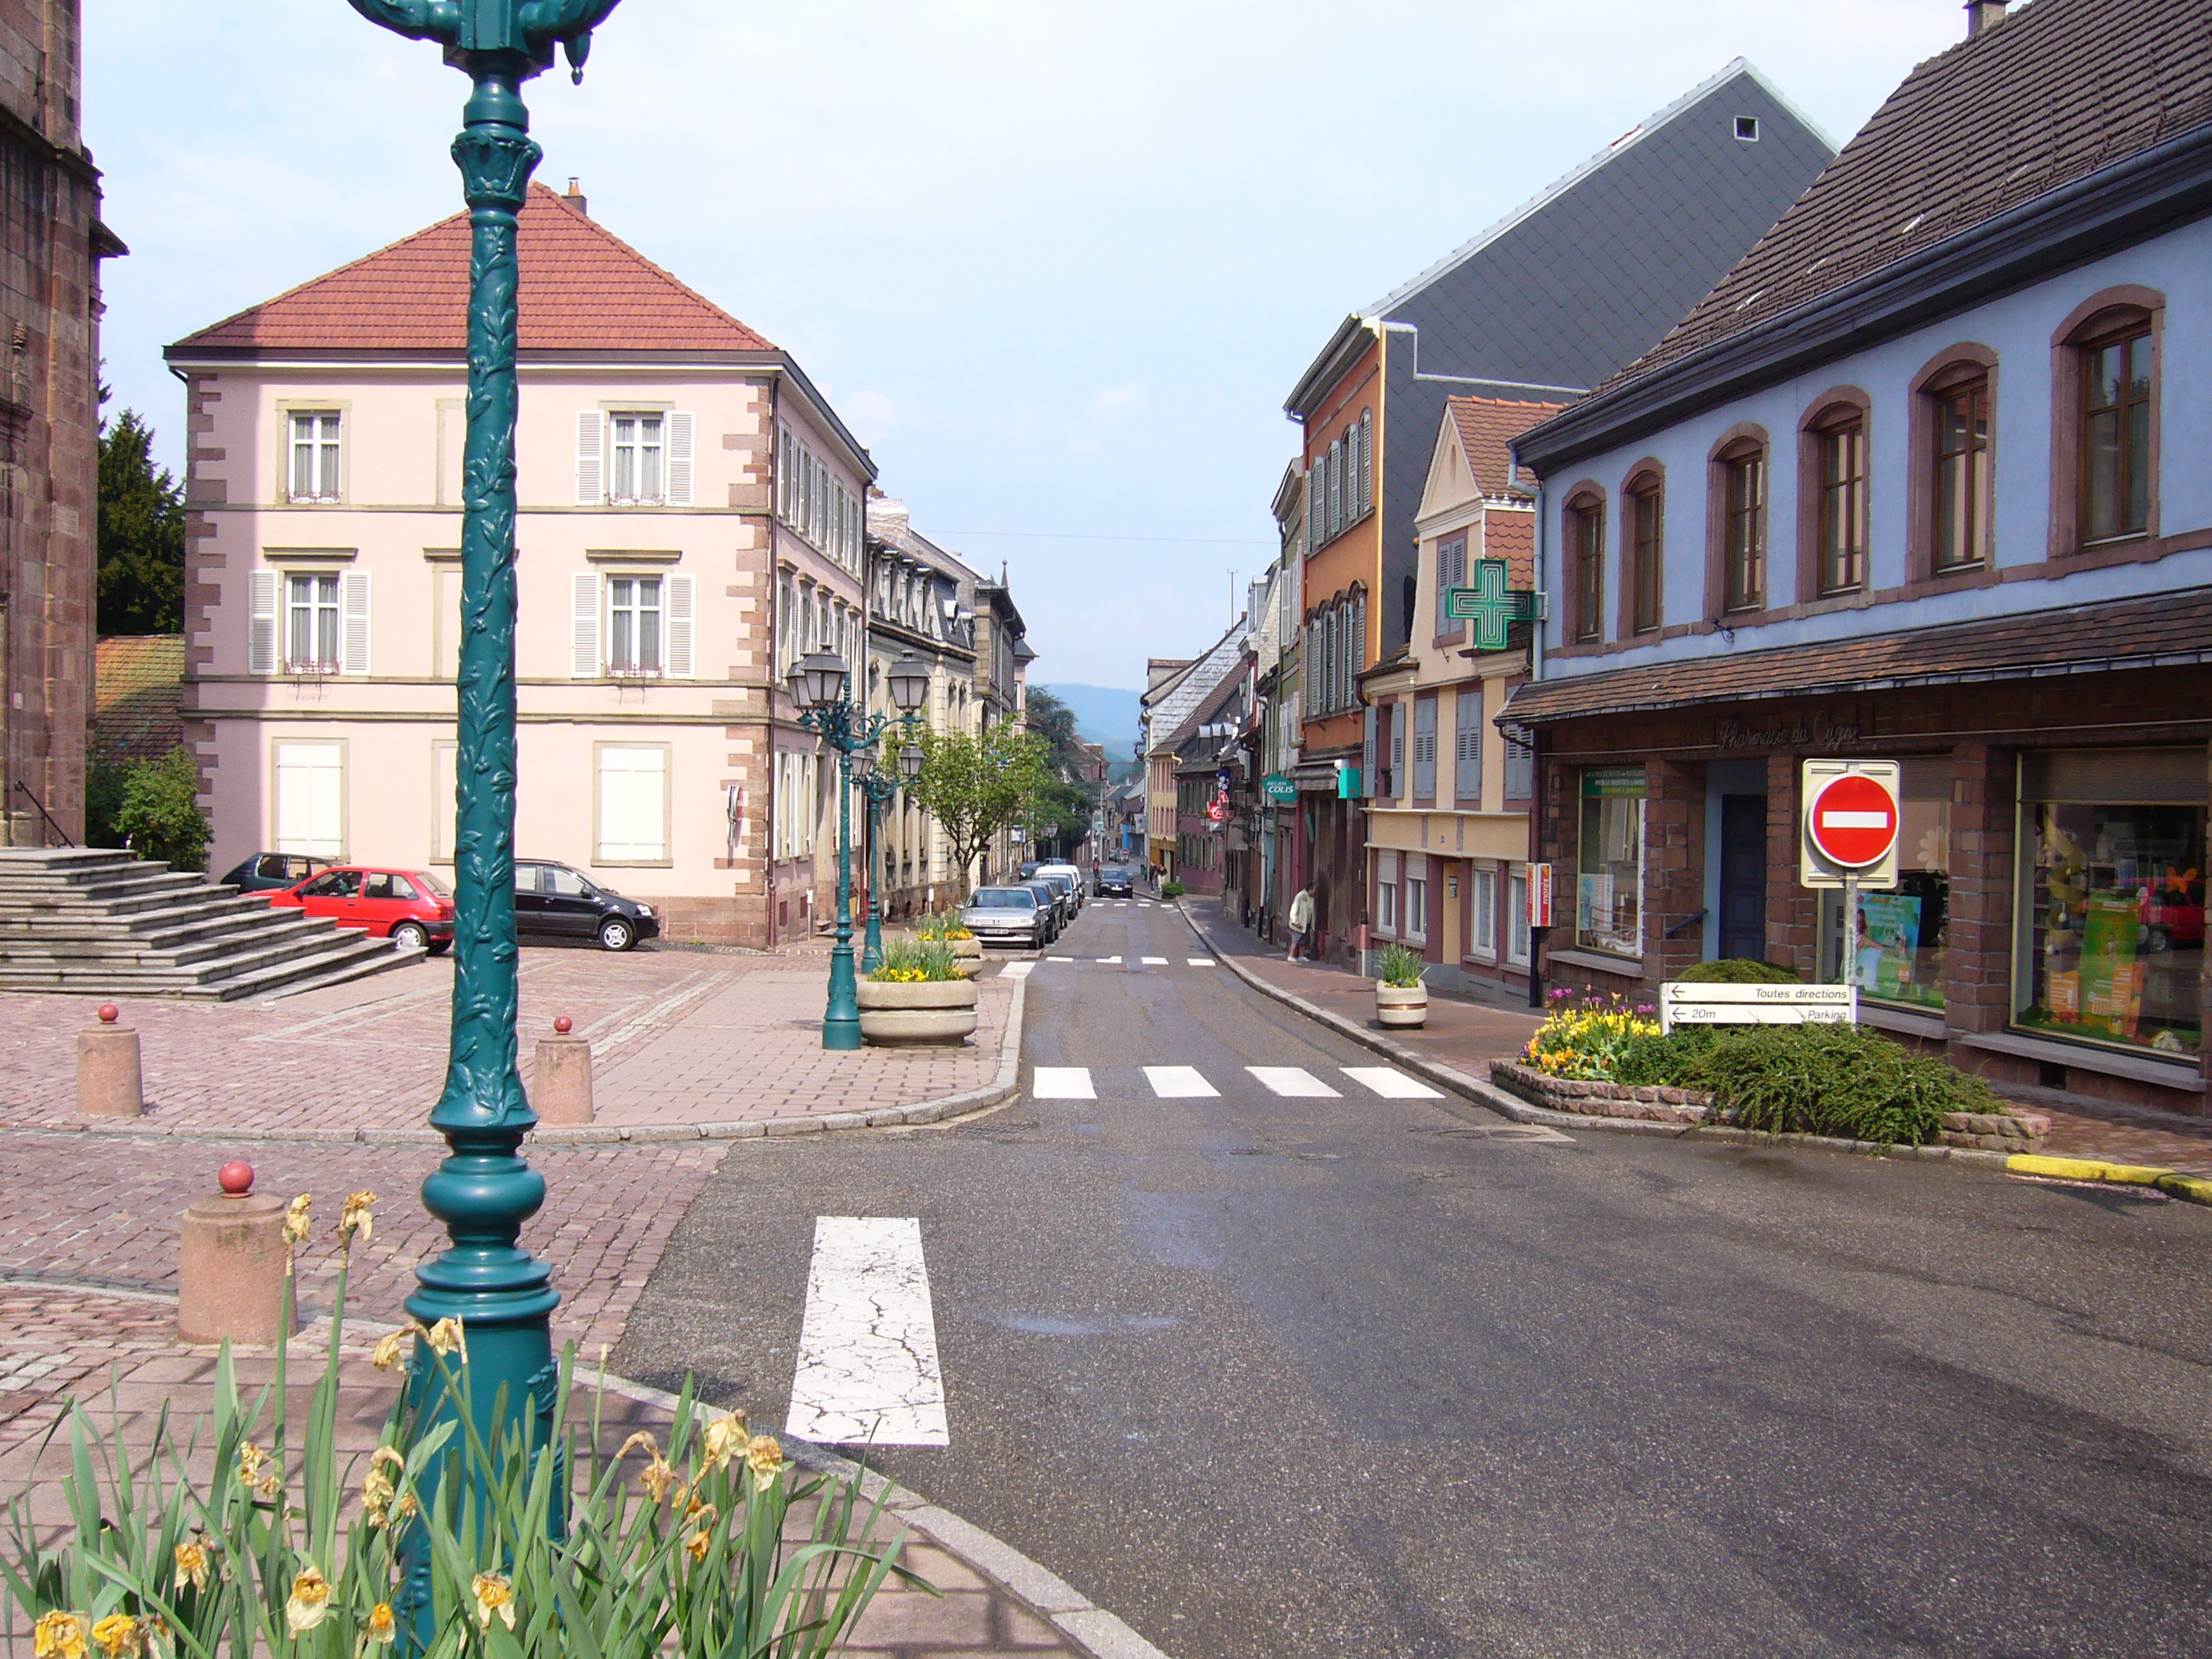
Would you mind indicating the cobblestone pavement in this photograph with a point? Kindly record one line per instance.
(677, 1036)
(119, 1355)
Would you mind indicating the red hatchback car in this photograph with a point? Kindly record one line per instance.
(412, 908)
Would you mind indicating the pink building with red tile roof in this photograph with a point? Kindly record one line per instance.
(691, 520)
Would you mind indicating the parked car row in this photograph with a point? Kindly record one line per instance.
(414, 908)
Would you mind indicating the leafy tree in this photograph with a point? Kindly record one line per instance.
(1065, 801)
(160, 816)
(141, 534)
(976, 786)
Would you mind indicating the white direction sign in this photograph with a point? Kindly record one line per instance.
(1683, 1004)
(1853, 815)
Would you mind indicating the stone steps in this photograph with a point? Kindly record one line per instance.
(85, 921)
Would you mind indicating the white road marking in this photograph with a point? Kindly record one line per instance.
(1059, 958)
(868, 1367)
(1201, 962)
(1292, 1081)
(1391, 1085)
(1017, 970)
(1062, 1083)
(1153, 962)
(1179, 1083)
(1113, 961)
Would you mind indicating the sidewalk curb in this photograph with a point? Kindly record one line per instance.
(1483, 1093)
(2193, 1189)
(1052, 1598)
(944, 1108)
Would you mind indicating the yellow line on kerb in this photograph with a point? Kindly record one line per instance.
(2191, 1187)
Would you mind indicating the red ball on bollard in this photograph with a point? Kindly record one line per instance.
(562, 1025)
(109, 1013)
(235, 1178)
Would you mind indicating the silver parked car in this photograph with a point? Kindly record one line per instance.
(1007, 916)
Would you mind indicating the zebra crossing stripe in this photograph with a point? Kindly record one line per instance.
(867, 1368)
(1391, 1085)
(1179, 1083)
(1062, 1083)
(1293, 1081)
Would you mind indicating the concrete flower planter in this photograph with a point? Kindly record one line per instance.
(1400, 1006)
(927, 1011)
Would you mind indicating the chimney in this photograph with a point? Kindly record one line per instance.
(581, 204)
(1983, 13)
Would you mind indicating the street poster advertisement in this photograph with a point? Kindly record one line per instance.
(2112, 978)
(1889, 936)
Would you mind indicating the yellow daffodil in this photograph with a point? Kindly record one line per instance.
(354, 1220)
(697, 1544)
(377, 1492)
(725, 1438)
(407, 1507)
(379, 1629)
(385, 1354)
(309, 1604)
(60, 1636)
(765, 1457)
(251, 1460)
(296, 1219)
(447, 1336)
(494, 1595)
(192, 1562)
(119, 1636)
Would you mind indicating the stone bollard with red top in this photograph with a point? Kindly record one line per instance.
(108, 1081)
(560, 1088)
(230, 1281)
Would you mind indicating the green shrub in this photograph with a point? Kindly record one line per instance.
(1399, 965)
(247, 1535)
(160, 816)
(104, 782)
(1172, 889)
(916, 962)
(1736, 970)
(1829, 1079)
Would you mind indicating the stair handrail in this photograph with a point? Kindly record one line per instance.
(43, 813)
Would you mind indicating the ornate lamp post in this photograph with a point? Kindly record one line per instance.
(879, 786)
(817, 685)
(483, 1191)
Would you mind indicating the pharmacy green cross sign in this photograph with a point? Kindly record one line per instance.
(1490, 606)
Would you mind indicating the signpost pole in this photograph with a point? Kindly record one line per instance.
(1850, 952)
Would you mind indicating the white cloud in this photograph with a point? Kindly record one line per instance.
(1109, 401)
(870, 414)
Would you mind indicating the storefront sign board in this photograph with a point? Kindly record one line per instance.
(1276, 786)
(1687, 1004)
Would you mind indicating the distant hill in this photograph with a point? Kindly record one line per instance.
(1103, 713)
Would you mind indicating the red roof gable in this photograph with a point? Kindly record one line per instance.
(1487, 427)
(583, 289)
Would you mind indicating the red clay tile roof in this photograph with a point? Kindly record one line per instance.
(1511, 536)
(2173, 629)
(583, 289)
(1487, 429)
(2059, 89)
(138, 680)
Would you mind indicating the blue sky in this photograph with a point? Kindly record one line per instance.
(1057, 261)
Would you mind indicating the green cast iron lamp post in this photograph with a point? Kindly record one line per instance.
(483, 1191)
(817, 686)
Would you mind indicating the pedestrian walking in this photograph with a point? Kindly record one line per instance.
(1301, 924)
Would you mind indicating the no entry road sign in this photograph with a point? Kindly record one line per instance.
(1851, 823)
(1854, 820)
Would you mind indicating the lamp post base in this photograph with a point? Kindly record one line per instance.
(840, 1034)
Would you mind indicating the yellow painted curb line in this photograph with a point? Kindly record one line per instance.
(2194, 1188)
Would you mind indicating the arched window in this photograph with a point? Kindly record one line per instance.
(1832, 482)
(1583, 525)
(1643, 516)
(2108, 385)
(1737, 515)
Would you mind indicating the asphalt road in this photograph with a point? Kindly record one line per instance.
(1284, 1377)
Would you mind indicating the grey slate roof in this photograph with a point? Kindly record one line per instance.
(1167, 710)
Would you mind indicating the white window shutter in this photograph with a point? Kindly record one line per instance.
(353, 622)
(680, 423)
(680, 631)
(261, 626)
(591, 434)
(584, 630)
(1367, 750)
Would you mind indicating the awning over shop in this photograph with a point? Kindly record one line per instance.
(2174, 630)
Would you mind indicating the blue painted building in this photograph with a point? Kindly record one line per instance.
(1922, 478)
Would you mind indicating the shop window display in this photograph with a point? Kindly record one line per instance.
(1899, 936)
(1608, 889)
(2111, 920)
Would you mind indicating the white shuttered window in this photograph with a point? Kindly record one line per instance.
(632, 804)
(311, 798)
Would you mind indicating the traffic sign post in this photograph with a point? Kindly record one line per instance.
(1853, 811)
